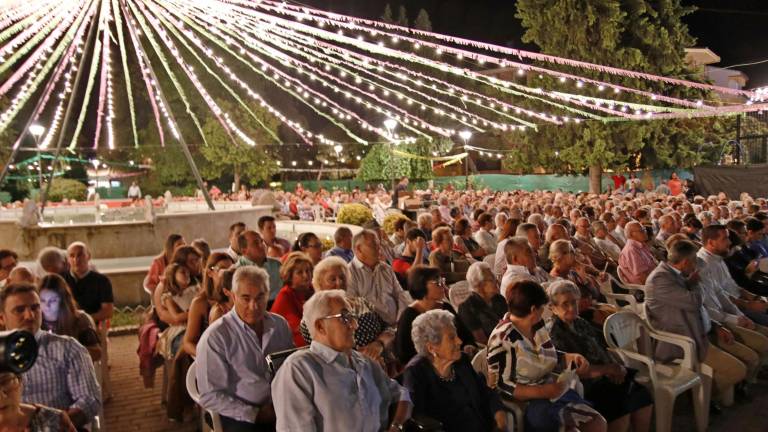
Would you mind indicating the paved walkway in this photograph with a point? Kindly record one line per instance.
(135, 408)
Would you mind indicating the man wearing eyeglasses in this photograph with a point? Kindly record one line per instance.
(332, 387)
(232, 373)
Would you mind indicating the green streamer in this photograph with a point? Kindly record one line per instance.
(124, 57)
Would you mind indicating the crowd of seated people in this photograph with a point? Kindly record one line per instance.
(376, 313)
(67, 313)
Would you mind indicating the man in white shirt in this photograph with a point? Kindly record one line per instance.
(615, 225)
(521, 264)
(374, 280)
(234, 232)
(602, 241)
(714, 278)
(484, 236)
(667, 228)
(331, 386)
(134, 192)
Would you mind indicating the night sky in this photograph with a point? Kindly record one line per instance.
(736, 30)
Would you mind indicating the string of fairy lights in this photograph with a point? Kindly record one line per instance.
(330, 79)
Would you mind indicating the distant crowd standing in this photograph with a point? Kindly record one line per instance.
(487, 298)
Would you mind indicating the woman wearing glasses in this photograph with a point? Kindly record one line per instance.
(428, 290)
(373, 337)
(310, 244)
(15, 415)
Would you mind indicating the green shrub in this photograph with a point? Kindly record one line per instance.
(67, 188)
(354, 214)
(328, 244)
(389, 222)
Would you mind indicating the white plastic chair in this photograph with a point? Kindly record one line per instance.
(458, 293)
(97, 424)
(606, 288)
(515, 411)
(627, 285)
(194, 394)
(630, 337)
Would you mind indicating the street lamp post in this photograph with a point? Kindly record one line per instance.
(466, 135)
(37, 131)
(391, 124)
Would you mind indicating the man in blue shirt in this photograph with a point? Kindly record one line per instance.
(63, 376)
(343, 249)
(331, 386)
(232, 373)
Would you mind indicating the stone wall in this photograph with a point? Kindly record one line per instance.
(130, 239)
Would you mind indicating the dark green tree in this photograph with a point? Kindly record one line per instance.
(387, 16)
(422, 21)
(638, 35)
(402, 16)
(380, 164)
(226, 153)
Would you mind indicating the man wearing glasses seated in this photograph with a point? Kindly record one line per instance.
(330, 386)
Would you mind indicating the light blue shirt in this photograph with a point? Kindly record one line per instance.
(232, 373)
(272, 266)
(321, 389)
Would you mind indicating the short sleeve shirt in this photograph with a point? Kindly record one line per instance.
(90, 291)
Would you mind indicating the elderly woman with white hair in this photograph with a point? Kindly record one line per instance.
(485, 306)
(442, 382)
(608, 385)
(372, 337)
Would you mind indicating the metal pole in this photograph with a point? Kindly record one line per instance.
(182, 142)
(392, 175)
(466, 172)
(31, 121)
(66, 121)
(39, 168)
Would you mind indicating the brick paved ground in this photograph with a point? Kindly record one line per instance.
(134, 408)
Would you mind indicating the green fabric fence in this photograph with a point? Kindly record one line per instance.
(496, 182)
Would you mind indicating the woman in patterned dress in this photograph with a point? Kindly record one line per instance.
(15, 415)
(372, 337)
(524, 362)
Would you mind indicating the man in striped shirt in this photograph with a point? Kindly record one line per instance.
(63, 376)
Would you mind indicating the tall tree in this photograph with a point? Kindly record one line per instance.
(422, 21)
(227, 153)
(402, 16)
(380, 164)
(638, 35)
(387, 17)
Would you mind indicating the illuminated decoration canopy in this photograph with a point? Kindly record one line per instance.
(337, 70)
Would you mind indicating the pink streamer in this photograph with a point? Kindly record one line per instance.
(500, 49)
(57, 74)
(144, 74)
(33, 59)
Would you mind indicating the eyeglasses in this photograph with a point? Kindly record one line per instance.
(345, 316)
(440, 281)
